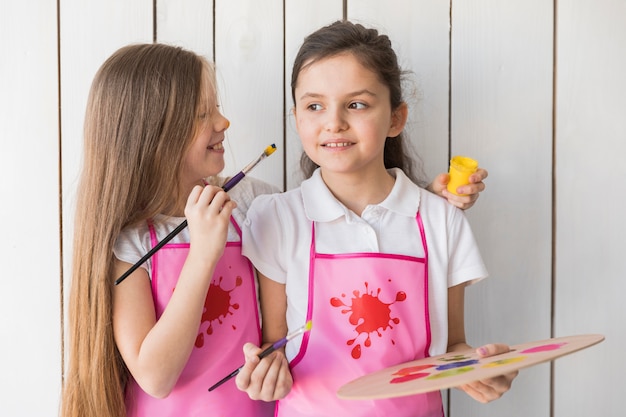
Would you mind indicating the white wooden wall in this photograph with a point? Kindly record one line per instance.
(533, 89)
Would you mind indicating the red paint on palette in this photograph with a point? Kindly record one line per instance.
(544, 348)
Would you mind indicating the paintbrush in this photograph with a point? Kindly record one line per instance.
(226, 187)
(277, 345)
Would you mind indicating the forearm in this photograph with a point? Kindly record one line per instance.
(166, 349)
(156, 351)
(458, 347)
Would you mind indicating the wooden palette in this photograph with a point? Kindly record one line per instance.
(458, 368)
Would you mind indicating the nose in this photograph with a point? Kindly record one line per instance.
(335, 120)
(221, 123)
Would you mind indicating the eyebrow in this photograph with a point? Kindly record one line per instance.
(353, 94)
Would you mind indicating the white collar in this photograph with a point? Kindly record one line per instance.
(321, 206)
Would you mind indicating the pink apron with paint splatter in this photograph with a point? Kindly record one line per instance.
(230, 319)
(369, 311)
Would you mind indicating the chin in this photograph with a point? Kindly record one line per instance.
(216, 169)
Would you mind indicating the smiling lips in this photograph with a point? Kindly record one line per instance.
(337, 144)
(217, 147)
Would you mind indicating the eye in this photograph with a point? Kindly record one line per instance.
(357, 105)
(314, 107)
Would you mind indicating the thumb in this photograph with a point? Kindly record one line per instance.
(440, 182)
(492, 349)
(251, 353)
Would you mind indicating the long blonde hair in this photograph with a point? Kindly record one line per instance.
(140, 120)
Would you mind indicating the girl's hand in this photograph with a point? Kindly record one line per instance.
(473, 189)
(490, 389)
(266, 379)
(208, 213)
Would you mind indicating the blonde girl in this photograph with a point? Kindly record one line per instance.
(153, 344)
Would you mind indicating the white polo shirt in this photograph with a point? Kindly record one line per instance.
(277, 239)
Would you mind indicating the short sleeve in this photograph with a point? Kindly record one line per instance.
(246, 192)
(132, 244)
(465, 262)
(263, 239)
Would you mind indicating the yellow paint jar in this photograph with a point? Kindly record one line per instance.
(461, 167)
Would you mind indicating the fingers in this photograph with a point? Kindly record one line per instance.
(266, 379)
(471, 189)
(492, 349)
(208, 208)
(271, 379)
(463, 202)
(439, 183)
(490, 389)
(469, 192)
(251, 353)
(210, 196)
(478, 176)
(208, 212)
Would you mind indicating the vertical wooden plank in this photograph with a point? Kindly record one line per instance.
(249, 58)
(90, 32)
(186, 23)
(501, 114)
(29, 186)
(301, 18)
(590, 224)
(420, 35)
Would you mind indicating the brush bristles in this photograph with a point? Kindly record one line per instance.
(270, 150)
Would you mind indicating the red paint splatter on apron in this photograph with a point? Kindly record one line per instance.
(217, 306)
(369, 314)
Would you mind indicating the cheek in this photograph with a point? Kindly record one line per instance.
(305, 127)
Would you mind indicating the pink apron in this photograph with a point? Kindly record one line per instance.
(369, 311)
(230, 319)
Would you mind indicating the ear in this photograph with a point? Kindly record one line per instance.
(398, 120)
(295, 116)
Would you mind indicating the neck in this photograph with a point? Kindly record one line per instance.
(357, 191)
(177, 207)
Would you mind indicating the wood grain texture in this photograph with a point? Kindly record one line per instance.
(186, 23)
(590, 221)
(29, 189)
(501, 115)
(249, 59)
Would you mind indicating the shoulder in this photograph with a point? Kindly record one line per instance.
(132, 242)
(248, 190)
(273, 232)
(273, 214)
(284, 205)
(133, 235)
(138, 237)
(259, 187)
(431, 203)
